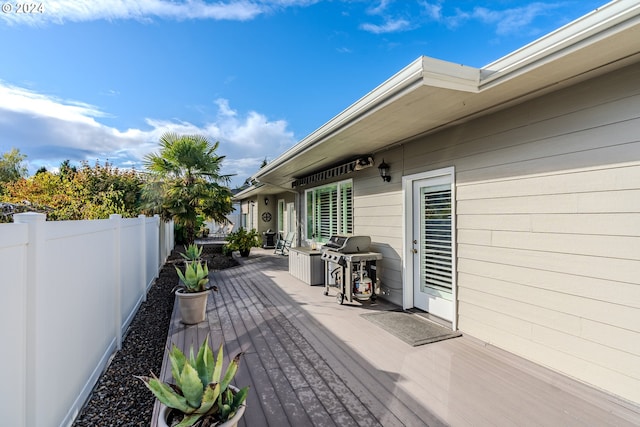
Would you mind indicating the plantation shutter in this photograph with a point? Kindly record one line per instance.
(346, 219)
(330, 210)
(327, 212)
(436, 264)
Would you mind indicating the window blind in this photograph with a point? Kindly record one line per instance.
(436, 263)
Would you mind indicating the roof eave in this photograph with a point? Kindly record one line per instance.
(424, 71)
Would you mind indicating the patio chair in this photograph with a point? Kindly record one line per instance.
(283, 244)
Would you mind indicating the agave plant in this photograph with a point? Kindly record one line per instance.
(194, 278)
(199, 391)
(192, 252)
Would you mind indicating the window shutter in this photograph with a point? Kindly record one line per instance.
(346, 197)
(330, 210)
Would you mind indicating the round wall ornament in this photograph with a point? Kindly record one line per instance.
(266, 216)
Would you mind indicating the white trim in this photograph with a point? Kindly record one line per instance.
(407, 257)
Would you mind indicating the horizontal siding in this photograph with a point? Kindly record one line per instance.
(378, 213)
(544, 306)
(620, 201)
(571, 363)
(623, 177)
(548, 226)
(614, 224)
(566, 284)
(623, 247)
(549, 241)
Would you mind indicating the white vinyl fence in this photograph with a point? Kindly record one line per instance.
(69, 291)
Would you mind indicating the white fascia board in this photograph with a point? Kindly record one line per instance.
(586, 29)
(424, 71)
(447, 75)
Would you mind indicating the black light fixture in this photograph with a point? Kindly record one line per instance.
(266, 201)
(384, 171)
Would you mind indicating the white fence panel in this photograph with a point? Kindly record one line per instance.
(75, 313)
(131, 268)
(70, 289)
(13, 254)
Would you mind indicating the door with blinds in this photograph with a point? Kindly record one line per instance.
(433, 246)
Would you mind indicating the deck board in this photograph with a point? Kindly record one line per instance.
(312, 362)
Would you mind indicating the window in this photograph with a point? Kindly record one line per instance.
(280, 215)
(329, 210)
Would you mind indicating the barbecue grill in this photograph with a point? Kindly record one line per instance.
(351, 268)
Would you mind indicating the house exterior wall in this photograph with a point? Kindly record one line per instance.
(548, 227)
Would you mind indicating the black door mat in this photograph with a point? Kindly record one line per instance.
(410, 328)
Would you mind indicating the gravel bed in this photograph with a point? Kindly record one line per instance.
(120, 399)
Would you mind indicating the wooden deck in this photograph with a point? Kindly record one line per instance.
(312, 362)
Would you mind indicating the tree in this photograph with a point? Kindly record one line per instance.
(84, 193)
(12, 167)
(185, 182)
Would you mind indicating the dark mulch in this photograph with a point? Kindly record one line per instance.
(119, 399)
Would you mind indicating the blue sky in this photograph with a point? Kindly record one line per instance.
(104, 79)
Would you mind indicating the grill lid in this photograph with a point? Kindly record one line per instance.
(348, 244)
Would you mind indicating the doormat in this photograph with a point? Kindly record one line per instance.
(410, 328)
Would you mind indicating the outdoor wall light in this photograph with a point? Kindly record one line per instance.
(266, 201)
(384, 171)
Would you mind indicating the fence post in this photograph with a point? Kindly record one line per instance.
(116, 220)
(35, 265)
(143, 257)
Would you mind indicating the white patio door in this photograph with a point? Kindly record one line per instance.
(432, 245)
(291, 218)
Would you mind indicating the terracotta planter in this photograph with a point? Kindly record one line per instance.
(233, 422)
(193, 306)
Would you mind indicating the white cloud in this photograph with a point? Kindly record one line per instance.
(507, 21)
(433, 11)
(61, 11)
(390, 26)
(378, 10)
(49, 130)
(513, 20)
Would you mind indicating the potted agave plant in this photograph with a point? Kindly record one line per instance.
(191, 253)
(200, 393)
(192, 292)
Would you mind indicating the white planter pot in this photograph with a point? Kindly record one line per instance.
(193, 306)
(233, 422)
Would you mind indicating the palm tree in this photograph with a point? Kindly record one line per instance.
(185, 181)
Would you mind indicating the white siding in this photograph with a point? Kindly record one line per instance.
(548, 214)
